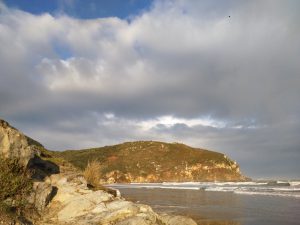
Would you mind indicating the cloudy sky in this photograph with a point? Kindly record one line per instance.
(222, 75)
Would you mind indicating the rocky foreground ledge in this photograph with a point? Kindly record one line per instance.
(74, 204)
(61, 195)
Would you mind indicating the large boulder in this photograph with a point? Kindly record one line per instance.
(14, 144)
(42, 194)
(176, 220)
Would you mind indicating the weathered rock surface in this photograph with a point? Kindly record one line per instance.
(13, 144)
(176, 220)
(41, 195)
(74, 204)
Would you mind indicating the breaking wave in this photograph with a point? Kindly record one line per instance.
(267, 188)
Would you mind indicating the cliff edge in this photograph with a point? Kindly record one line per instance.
(57, 193)
(152, 161)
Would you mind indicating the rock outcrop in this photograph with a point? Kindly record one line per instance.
(14, 144)
(176, 220)
(62, 197)
(75, 204)
(41, 195)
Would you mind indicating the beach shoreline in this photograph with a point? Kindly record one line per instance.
(216, 207)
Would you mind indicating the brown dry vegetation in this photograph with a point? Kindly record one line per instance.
(92, 173)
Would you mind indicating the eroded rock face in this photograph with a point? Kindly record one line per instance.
(74, 204)
(184, 172)
(152, 161)
(41, 195)
(13, 144)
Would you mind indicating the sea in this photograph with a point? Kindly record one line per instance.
(222, 203)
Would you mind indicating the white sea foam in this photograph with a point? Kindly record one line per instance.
(221, 189)
(182, 188)
(152, 186)
(268, 194)
(272, 188)
(291, 189)
(295, 183)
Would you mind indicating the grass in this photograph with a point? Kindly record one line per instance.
(92, 173)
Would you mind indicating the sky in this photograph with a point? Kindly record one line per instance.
(219, 75)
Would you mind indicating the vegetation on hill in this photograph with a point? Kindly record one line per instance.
(150, 161)
(33, 142)
(15, 185)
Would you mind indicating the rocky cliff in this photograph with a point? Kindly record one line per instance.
(14, 144)
(150, 161)
(75, 204)
(60, 195)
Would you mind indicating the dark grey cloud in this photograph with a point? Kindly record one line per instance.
(182, 71)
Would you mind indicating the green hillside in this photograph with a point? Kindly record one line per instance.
(149, 161)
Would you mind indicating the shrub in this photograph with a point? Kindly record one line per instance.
(92, 173)
(15, 185)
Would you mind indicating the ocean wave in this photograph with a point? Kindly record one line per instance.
(278, 183)
(257, 190)
(214, 183)
(268, 194)
(273, 188)
(295, 183)
(180, 188)
(153, 186)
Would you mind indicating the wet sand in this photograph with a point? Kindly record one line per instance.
(219, 208)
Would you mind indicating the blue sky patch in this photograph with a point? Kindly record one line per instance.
(87, 9)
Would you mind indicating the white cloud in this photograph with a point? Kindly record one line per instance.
(182, 71)
(170, 121)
